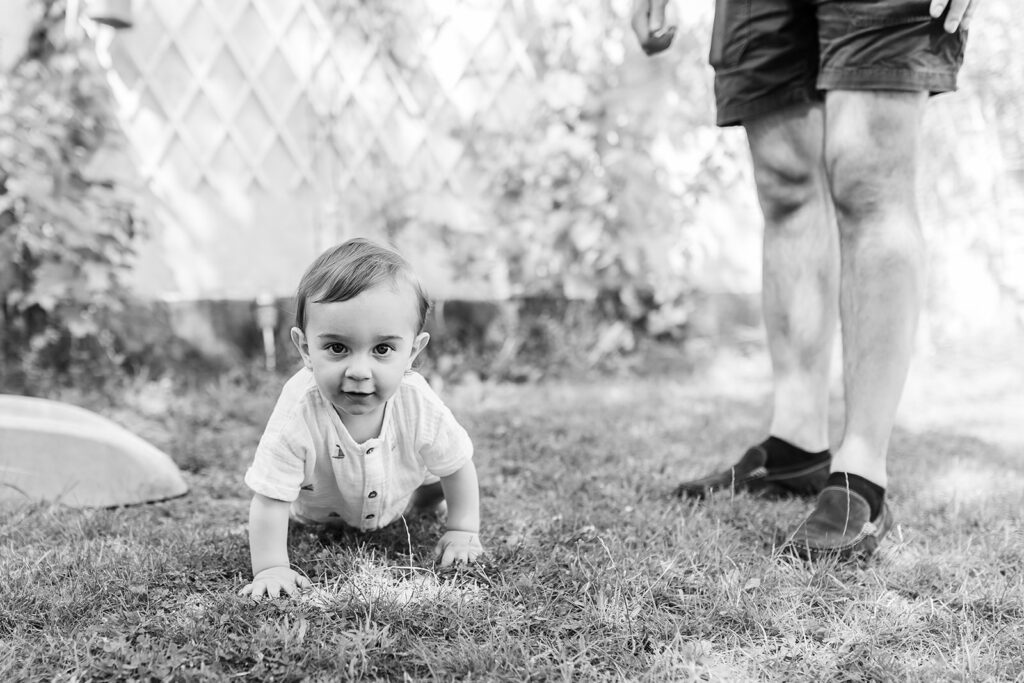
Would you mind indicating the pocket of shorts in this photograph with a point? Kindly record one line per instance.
(729, 32)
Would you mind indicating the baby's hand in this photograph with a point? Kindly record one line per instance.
(458, 546)
(272, 580)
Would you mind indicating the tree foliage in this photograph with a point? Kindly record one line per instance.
(67, 234)
(595, 176)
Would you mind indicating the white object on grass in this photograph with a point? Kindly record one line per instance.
(56, 452)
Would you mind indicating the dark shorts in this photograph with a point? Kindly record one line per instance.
(770, 54)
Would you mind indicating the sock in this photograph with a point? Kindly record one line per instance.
(783, 454)
(872, 493)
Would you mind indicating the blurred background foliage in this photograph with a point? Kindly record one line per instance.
(594, 181)
(599, 195)
(68, 233)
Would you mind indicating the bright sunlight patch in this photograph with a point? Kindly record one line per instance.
(373, 584)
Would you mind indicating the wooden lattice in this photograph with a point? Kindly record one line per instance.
(289, 124)
(219, 90)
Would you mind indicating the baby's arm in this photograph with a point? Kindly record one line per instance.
(268, 543)
(461, 542)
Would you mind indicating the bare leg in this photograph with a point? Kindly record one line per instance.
(800, 303)
(800, 276)
(871, 151)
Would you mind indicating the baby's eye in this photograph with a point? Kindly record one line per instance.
(382, 349)
(336, 348)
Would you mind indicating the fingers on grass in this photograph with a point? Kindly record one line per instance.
(450, 556)
(457, 556)
(254, 592)
(293, 588)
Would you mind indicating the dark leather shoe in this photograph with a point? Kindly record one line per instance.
(839, 527)
(750, 474)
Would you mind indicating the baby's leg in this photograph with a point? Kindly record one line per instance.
(429, 497)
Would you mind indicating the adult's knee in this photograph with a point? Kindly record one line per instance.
(871, 154)
(876, 210)
(867, 185)
(786, 186)
(786, 150)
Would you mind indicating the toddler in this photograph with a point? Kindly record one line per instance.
(356, 436)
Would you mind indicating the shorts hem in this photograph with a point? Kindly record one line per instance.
(887, 79)
(738, 113)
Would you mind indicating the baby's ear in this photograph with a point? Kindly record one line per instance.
(418, 344)
(302, 344)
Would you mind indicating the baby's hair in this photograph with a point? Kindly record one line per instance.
(351, 268)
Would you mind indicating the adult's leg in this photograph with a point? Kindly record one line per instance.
(871, 154)
(871, 147)
(800, 303)
(800, 269)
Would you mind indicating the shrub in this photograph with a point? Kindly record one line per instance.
(67, 234)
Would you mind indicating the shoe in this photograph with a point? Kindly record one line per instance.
(750, 474)
(840, 527)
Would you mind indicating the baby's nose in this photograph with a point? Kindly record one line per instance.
(358, 371)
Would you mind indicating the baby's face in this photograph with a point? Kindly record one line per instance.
(359, 349)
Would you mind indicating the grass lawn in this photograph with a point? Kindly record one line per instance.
(594, 572)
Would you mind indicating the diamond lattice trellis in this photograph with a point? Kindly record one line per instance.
(224, 81)
(285, 125)
(402, 93)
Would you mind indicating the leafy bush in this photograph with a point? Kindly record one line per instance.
(587, 223)
(586, 207)
(67, 235)
(594, 190)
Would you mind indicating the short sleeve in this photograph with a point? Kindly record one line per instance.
(279, 467)
(443, 444)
